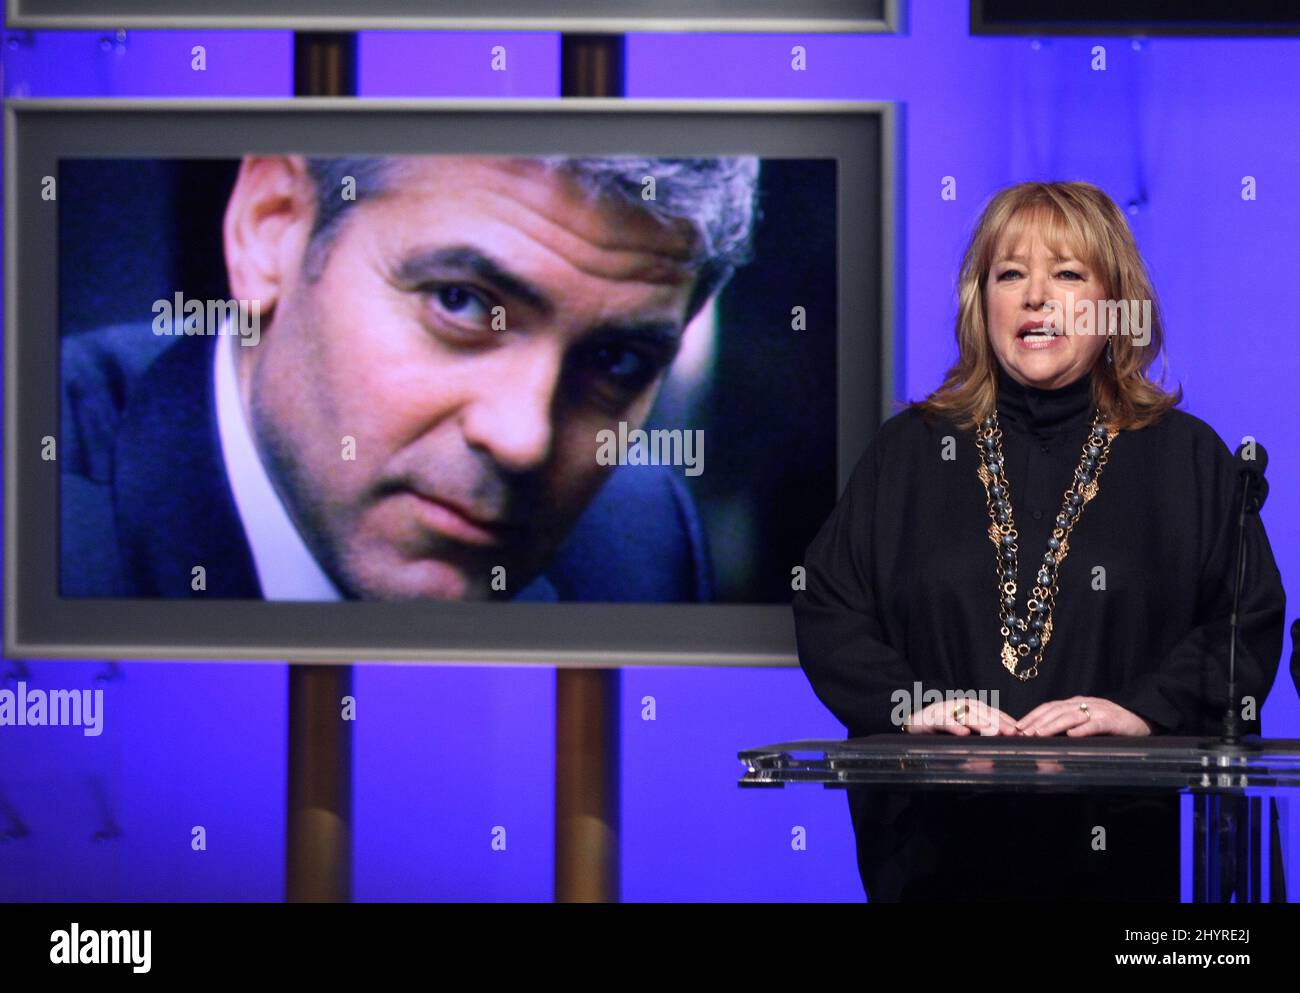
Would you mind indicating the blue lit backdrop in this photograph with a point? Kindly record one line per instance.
(443, 755)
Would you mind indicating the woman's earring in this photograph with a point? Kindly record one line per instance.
(1110, 354)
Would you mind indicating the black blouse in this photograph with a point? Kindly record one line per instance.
(902, 579)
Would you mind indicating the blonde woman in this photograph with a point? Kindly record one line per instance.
(1046, 529)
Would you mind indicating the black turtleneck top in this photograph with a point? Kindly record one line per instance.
(902, 578)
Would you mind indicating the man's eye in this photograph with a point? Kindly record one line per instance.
(612, 376)
(460, 301)
(622, 364)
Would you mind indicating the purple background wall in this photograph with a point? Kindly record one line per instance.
(445, 754)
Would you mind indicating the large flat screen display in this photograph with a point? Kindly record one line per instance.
(468, 15)
(444, 381)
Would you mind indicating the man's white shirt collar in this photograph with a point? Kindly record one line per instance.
(286, 568)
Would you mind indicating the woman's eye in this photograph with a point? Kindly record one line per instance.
(1069, 274)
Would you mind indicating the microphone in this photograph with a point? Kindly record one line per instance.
(1251, 461)
(1253, 467)
(1255, 462)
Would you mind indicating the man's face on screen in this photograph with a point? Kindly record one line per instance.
(429, 406)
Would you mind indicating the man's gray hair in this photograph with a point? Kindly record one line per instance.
(716, 198)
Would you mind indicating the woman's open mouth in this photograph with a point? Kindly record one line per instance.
(1039, 337)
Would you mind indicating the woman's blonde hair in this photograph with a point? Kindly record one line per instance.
(1082, 218)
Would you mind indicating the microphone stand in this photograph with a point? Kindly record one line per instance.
(1232, 740)
(1225, 816)
(1231, 716)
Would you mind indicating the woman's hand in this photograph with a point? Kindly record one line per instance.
(960, 717)
(1081, 716)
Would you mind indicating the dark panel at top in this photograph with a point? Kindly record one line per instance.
(1241, 18)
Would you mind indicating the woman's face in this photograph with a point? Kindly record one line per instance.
(1029, 287)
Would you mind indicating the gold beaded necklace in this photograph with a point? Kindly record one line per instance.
(1021, 636)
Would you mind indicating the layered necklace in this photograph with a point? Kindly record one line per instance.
(1026, 638)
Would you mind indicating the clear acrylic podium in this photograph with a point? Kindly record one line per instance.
(1236, 791)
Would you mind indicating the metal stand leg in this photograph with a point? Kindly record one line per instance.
(587, 700)
(586, 785)
(318, 854)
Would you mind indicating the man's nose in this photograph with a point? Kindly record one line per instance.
(510, 415)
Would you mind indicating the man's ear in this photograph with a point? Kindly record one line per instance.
(266, 228)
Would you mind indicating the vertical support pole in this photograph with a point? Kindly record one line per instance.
(318, 853)
(587, 785)
(324, 64)
(318, 837)
(592, 65)
(587, 700)
(1207, 872)
(1276, 854)
(1249, 860)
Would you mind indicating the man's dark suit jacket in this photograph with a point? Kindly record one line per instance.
(145, 494)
